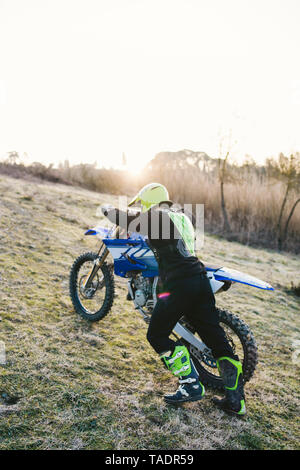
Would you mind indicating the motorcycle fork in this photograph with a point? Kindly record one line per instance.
(96, 266)
(101, 257)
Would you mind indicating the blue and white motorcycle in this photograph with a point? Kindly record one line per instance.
(92, 293)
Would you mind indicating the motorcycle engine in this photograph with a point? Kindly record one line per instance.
(140, 298)
(143, 290)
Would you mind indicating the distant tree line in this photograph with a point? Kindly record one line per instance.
(250, 203)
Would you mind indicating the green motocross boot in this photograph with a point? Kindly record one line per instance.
(231, 372)
(180, 364)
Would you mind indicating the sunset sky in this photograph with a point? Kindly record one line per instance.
(90, 79)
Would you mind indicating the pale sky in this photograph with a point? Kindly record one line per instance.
(89, 79)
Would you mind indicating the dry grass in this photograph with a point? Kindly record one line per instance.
(253, 206)
(253, 201)
(69, 384)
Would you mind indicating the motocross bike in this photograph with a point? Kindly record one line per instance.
(92, 294)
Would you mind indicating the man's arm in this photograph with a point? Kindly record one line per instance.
(118, 217)
(155, 224)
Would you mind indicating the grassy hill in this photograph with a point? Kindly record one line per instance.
(70, 384)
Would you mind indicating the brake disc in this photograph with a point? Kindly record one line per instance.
(90, 291)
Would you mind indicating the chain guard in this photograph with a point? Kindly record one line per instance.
(204, 357)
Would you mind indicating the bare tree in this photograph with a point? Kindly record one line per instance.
(286, 170)
(12, 157)
(224, 175)
(124, 160)
(222, 179)
(285, 230)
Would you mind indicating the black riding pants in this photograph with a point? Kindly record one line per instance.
(193, 298)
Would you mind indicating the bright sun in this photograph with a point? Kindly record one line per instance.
(135, 166)
(134, 170)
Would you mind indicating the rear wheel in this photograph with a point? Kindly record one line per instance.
(242, 342)
(95, 302)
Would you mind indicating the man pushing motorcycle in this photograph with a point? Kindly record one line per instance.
(187, 291)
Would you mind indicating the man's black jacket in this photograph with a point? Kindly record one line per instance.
(174, 259)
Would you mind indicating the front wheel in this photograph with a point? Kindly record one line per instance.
(92, 303)
(242, 342)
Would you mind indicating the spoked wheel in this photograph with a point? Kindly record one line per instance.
(94, 302)
(242, 342)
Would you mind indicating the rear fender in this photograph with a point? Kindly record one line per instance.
(232, 275)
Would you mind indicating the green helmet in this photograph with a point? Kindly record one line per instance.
(150, 195)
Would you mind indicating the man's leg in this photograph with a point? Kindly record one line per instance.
(174, 355)
(181, 365)
(232, 374)
(205, 319)
(163, 319)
